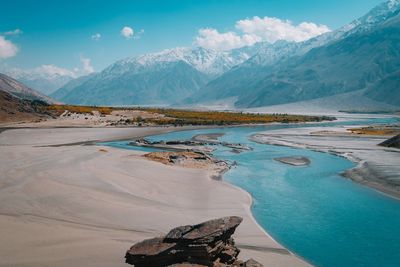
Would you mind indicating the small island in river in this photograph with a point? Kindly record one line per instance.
(295, 160)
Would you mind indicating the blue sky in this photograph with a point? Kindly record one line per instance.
(60, 32)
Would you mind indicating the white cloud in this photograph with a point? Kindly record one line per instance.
(49, 71)
(86, 65)
(53, 70)
(211, 38)
(7, 48)
(96, 36)
(14, 32)
(274, 29)
(250, 31)
(127, 32)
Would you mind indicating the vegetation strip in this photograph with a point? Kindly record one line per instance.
(180, 117)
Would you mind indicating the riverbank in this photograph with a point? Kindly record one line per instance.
(377, 167)
(80, 205)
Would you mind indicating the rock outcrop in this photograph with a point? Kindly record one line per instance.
(392, 142)
(206, 244)
(195, 144)
(188, 159)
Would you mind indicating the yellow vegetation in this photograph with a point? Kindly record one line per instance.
(375, 131)
(191, 117)
(59, 109)
(179, 116)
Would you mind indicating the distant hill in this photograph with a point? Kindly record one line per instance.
(20, 103)
(14, 109)
(64, 90)
(45, 79)
(19, 90)
(160, 85)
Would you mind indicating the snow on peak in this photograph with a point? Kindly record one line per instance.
(205, 60)
(199, 58)
(49, 72)
(373, 18)
(217, 62)
(393, 4)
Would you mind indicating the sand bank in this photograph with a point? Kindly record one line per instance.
(85, 205)
(294, 161)
(378, 167)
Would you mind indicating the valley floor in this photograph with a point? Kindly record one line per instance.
(85, 205)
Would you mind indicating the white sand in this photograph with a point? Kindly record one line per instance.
(78, 206)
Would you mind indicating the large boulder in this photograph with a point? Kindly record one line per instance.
(205, 244)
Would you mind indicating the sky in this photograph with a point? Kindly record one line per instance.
(85, 36)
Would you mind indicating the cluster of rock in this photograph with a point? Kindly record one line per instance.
(145, 142)
(197, 155)
(236, 148)
(196, 158)
(208, 244)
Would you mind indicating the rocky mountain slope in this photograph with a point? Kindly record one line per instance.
(64, 90)
(20, 103)
(14, 109)
(160, 84)
(19, 90)
(158, 78)
(361, 55)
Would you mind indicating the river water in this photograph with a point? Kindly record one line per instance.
(311, 210)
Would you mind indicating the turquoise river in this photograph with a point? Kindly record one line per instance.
(311, 210)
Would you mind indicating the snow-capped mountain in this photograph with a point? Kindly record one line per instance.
(207, 61)
(269, 54)
(199, 74)
(374, 18)
(45, 79)
(157, 78)
(362, 55)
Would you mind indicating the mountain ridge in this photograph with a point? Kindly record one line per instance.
(336, 62)
(132, 77)
(45, 79)
(271, 84)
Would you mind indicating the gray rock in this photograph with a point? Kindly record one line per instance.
(205, 244)
(392, 142)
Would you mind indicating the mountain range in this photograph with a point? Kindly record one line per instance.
(21, 91)
(158, 78)
(361, 57)
(46, 79)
